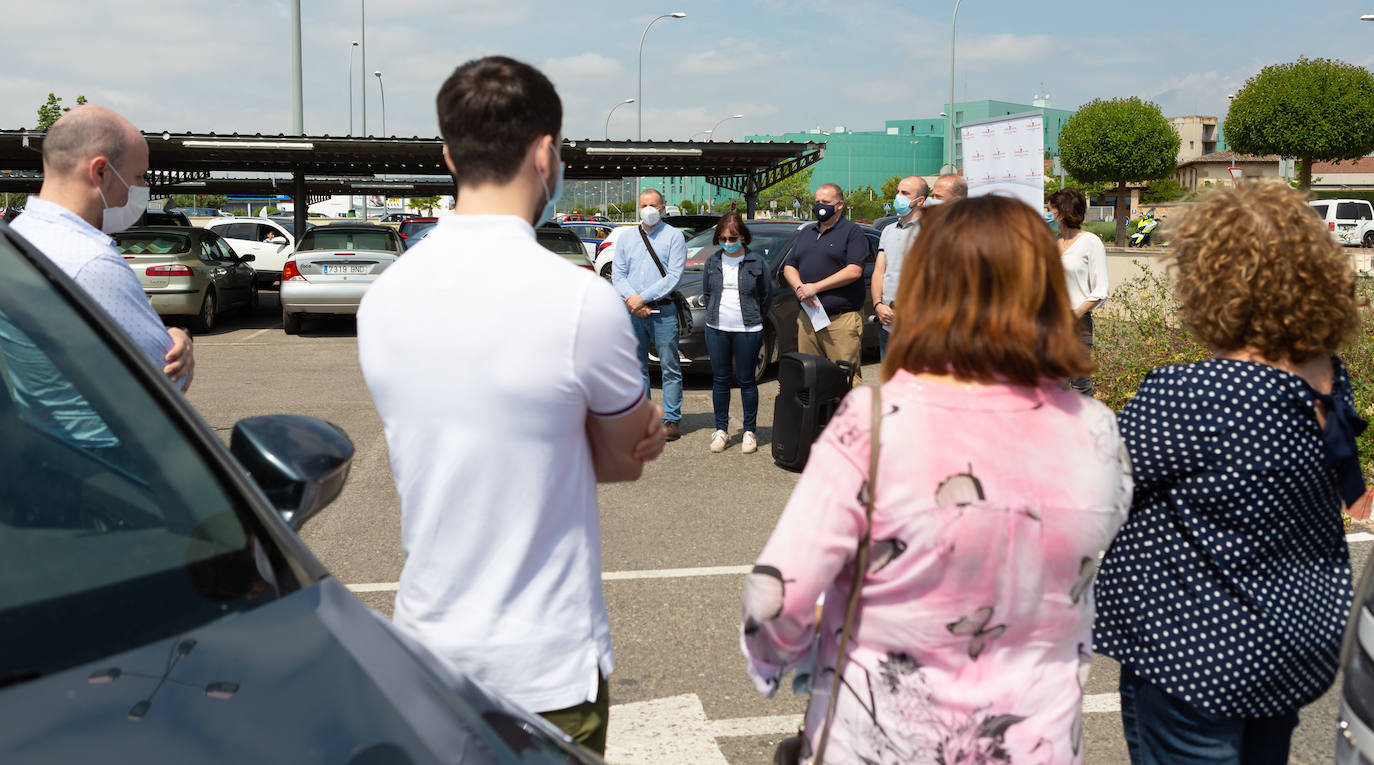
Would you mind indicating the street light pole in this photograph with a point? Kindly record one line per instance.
(378, 75)
(608, 115)
(913, 157)
(713, 131)
(362, 35)
(605, 189)
(351, 48)
(706, 133)
(639, 96)
(297, 88)
(949, 150)
(849, 155)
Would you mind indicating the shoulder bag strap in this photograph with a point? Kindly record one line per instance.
(661, 270)
(860, 569)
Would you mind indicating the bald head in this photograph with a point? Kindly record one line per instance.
(85, 133)
(950, 188)
(913, 186)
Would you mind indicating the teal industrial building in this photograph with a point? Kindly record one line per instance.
(858, 158)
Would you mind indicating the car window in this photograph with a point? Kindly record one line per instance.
(769, 241)
(226, 253)
(208, 252)
(1348, 210)
(559, 241)
(114, 528)
(1320, 210)
(238, 230)
(324, 239)
(151, 243)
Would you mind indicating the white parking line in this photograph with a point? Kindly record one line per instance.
(256, 334)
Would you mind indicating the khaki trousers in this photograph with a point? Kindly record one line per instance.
(841, 341)
(585, 722)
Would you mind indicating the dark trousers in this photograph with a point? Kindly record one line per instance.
(1162, 729)
(1084, 385)
(586, 722)
(734, 355)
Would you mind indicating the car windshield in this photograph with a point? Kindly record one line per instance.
(115, 528)
(768, 241)
(151, 243)
(561, 242)
(354, 239)
(589, 230)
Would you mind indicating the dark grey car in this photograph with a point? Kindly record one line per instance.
(156, 604)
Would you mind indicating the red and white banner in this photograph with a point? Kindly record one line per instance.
(1006, 156)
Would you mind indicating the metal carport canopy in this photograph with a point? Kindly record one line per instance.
(327, 163)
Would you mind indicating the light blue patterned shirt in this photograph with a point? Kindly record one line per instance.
(633, 271)
(90, 259)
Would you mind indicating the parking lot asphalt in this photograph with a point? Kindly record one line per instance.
(675, 544)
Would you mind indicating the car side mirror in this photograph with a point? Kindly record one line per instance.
(276, 240)
(249, 258)
(300, 462)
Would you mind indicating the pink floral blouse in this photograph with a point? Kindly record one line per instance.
(994, 506)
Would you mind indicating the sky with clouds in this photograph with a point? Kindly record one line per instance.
(225, 65)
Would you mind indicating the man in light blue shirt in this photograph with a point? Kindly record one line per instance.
(647, 287)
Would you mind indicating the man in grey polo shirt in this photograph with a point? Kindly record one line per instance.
(892, 246)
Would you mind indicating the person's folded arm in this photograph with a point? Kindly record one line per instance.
(615, 439)
(846, 275)
(624, 428)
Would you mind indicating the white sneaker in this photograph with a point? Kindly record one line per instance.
(751, 444)
(719, 440)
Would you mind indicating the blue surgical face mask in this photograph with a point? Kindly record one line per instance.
(901, 205)
(1049, 217)
(730, 247)
(552, 197)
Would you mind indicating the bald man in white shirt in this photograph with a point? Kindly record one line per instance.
(93, 166)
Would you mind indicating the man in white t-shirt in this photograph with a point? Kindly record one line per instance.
(503, 408)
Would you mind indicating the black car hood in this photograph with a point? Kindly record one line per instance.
(315, 677)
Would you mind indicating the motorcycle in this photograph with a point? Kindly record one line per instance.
(1147, 225)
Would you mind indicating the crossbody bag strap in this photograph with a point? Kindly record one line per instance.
(661, 270)
(860, 568)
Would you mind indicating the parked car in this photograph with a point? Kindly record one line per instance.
(189, 272)
(158, 603)
(162, 218)
(1350, 221)
(200, 212)
(599, 218)
(591, 234)
(689, 225)
(574, 218)
(885, 221)
(332, 268)
(561, 241)
(774, 240)
(412, 226)
(399, 217)
(269, 241)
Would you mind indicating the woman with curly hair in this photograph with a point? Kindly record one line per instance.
(1226, 593)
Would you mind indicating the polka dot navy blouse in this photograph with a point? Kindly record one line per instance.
(1229, 585)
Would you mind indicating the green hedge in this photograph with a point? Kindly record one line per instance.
(1368, 196)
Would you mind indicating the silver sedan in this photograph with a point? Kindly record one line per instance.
(332, 268)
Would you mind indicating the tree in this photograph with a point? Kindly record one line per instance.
(216, 201)
(52, 109)
(1122, 140)
(795, 188)
(890, 187)
(1311, 110)
(864, 203)
(1090, 190)
(688, 207)
(425, 204)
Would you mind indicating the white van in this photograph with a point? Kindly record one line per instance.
(1350, 221)
(270, 242)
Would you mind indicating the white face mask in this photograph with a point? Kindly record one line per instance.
(933, 202)
(650, 215)
(116, 219)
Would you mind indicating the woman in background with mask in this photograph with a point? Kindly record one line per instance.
(1085, 267)
(735, 290)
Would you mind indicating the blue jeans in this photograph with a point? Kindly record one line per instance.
(734, 355)
(1162, 729)
(660, 329)
(882, 343)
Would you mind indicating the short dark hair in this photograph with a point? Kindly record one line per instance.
(490, 110)
(736, 221)
(1072, 206)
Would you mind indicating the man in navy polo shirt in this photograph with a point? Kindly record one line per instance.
(826, 266)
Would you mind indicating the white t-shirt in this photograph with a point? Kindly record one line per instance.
(485, 399)
(1085, 269)
(730, 317)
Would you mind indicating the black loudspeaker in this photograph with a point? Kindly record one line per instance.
(810, 389)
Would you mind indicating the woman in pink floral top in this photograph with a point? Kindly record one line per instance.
(998, 490)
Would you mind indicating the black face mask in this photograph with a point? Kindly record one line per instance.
(823, 212)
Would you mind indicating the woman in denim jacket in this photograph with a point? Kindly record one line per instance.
(735, 288)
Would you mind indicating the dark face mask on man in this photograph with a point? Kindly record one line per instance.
(823, 212)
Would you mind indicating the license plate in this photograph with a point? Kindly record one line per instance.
(345, 269)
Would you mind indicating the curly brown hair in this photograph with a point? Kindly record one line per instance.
(1257, 270)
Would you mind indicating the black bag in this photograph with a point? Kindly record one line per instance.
(790, 750)
(684, 312)
(810, 389)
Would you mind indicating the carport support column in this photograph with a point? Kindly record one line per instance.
(300, 203)
(751, 197)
